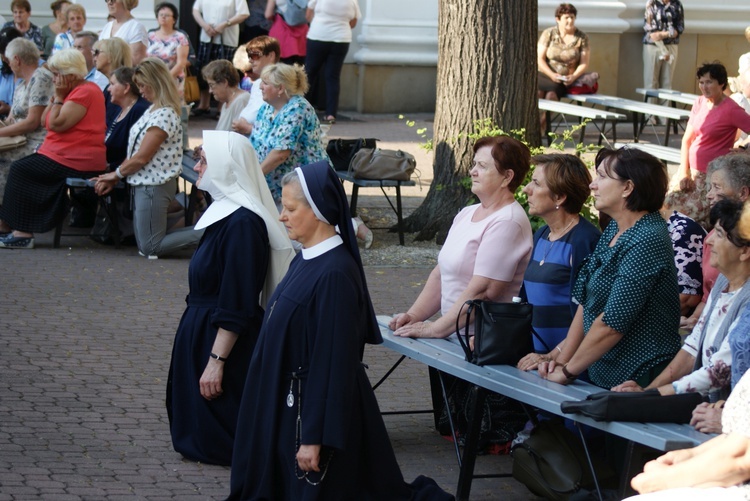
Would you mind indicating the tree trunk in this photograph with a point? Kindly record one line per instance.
(486, 69)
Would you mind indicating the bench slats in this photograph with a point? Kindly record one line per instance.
(630, 105)
(666, 153)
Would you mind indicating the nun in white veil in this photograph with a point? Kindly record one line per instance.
(242, 256)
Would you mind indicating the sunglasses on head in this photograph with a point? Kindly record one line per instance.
(254, 55)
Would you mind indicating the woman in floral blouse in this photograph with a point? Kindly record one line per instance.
(21, 10)
(169, 44)
(287, 131)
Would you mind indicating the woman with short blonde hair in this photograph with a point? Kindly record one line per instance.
(287, 131)
(68, 62)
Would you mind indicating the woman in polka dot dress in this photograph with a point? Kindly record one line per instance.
(626, 324)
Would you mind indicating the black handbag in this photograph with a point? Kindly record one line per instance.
(341, 151)
(642, 407)
(552, 462)
(502, 332)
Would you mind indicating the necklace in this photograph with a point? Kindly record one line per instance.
(552, 242)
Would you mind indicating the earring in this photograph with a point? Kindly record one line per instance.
(557, 207)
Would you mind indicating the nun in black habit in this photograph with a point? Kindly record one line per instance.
(309, 426)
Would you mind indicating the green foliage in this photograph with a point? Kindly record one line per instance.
(487, 128)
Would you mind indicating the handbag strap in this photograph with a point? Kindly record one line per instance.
(465, 344)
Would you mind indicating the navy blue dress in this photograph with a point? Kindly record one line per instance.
(226, 277)
(310, 346)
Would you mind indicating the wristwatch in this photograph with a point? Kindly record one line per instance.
(567, 374)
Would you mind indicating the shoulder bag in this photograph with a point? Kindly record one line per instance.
(12, 142)
(380, 164)
(341, 151)
(502, 332)
(192, 92)
(296, 11)
(552, 462)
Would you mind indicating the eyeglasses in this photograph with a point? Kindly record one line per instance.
(96, 52)
(110, 2)
(254, 55)
(165, 15)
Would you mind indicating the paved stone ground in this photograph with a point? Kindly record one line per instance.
(86, 333)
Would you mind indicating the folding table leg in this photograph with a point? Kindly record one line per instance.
(353, 203)
(466, 473)
(399, 215)
(591, 463)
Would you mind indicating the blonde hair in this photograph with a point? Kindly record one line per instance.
(292, 78)
(130, 4)
(76, 8)
(155, 73)
(747, 33)
(118, 51)
(68, 62)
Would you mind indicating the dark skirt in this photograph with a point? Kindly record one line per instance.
(545, 85)
(35, 197)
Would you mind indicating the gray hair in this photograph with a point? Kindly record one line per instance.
(736, 167)
(24, 49)
(293, 178)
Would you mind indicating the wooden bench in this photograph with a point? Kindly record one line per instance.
(666, 153)
(382, 184)
(581, 113)
(528, 388)
(641, 111)
(674, 96)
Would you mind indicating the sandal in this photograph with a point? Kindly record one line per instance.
(368, 236)
(330, 119)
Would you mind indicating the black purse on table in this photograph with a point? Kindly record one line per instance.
(502, 332)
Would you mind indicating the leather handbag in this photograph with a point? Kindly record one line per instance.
(552, 462)
(11, 142)
(341, 151)
(191, 91)
(502, 332)
(643, 407)
(369, 163)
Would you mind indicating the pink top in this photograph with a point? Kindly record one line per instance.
(82, 146)
(715, 130)
(497, 247)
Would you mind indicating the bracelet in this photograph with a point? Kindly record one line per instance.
(217, 357)
(229, 23)
(556, 347)
(567, 374)
(119, 174)
(58, 102)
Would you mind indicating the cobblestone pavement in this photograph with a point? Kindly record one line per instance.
(86, 338)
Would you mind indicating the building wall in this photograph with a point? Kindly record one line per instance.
(392, 62)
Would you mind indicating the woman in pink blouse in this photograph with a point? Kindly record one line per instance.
(169, 44)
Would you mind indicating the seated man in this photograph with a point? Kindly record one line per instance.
(84, 43)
